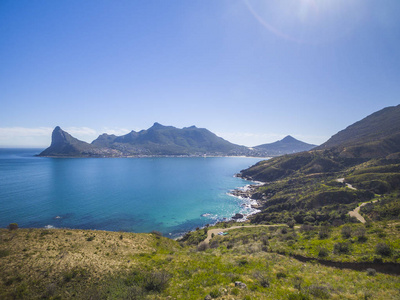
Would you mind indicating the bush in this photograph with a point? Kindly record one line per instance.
(323, 232)
(319, 291)
(346, 232)
(291, 224)
(156, 233)
(12, 226)
(383, 249)
(203, 246)
(263, 279)
(214, 244)
(340, 248)
(323, 252)
(4, 253)
(280, 275)
(371, 272)
(156, 281)
(215, 293)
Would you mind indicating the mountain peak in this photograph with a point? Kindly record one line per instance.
(288, 138)
(157, 125)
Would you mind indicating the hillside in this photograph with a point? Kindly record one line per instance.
(303, 187)
(376, 136)
(247, 263)
(287, 145)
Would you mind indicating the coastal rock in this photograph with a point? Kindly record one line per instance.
(237, 216)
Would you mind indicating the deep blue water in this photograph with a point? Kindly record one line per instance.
(169, 195)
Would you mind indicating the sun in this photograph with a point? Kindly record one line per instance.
(307, 21)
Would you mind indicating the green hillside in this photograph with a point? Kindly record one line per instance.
(247, 263)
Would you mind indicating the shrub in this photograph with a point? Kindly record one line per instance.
(346, 232)
(360, 234)
(291, 224)
(215, 293)
(156, 233)
(262, 278)
(90, 238)
(242, 262)
(284, 230)
(280, 275)
(319, 291)
(135, 292)
(323, 232)
(203, 246)
(340, 248)
(383, 249)
(371, 272)
(297, 282)
(12, 226)
(4, 253)
(323, 252)
(214, 244)
(156, 281)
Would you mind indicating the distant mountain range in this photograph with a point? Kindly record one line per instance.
(161, 140)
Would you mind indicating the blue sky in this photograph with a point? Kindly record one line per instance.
(250, 71)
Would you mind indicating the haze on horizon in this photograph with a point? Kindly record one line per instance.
(250, 71)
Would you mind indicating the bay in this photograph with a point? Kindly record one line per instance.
(168, 194)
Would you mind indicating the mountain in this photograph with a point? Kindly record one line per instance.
(157, 140)
(285, 146)
(375, 136)
(65, 145)
(320, 186)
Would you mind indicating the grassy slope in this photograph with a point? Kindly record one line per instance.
(60, 264)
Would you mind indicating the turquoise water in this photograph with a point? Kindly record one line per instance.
(170, 195)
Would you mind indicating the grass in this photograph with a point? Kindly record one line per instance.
(63, 264)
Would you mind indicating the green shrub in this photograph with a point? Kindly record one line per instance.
(156, 281)
(4, 253)
(215, 293)
(383, 249)
(323, 252)
(323, 232)
(346, 232)
(319, 291)
(280, 275)
(12, 226)
(341, 248)
(371, 272)
(203, 246)
(262, 278)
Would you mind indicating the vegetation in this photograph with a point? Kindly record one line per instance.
(64, 264)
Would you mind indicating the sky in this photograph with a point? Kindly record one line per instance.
(250, 71)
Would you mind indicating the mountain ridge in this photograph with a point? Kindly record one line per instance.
(160, 140)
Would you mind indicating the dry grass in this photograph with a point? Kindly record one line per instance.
(49, 255)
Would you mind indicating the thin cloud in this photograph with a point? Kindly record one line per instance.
(7, 132)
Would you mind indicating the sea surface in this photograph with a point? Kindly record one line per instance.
(172, 195)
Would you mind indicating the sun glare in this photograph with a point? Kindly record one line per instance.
(307, 21)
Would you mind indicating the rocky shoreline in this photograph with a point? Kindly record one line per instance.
(250, 193)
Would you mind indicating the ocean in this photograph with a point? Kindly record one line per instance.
(171, 195)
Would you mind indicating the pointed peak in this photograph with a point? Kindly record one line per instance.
(157, 125)
(288, 138)
(57, 128)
